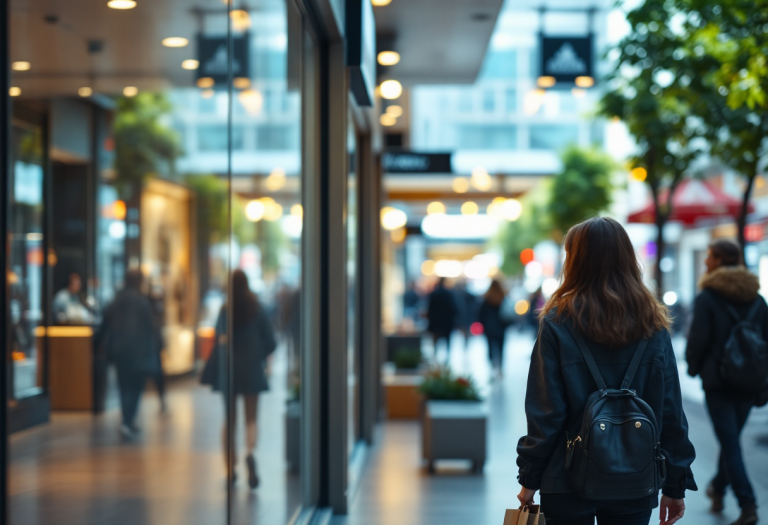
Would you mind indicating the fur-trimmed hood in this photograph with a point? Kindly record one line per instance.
(735, 283)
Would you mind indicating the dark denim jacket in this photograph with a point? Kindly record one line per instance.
(558, 386)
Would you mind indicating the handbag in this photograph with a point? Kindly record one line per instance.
(525, 515)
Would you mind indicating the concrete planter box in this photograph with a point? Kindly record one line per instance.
(402, 396)
(293, 435)
(454, 430)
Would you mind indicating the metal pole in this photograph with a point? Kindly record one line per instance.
(5, 120)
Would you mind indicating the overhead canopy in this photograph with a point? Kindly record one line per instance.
(692, 200)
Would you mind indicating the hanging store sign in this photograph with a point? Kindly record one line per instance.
(213, 54)
(410, 162)
(361, 50)
(566, 58)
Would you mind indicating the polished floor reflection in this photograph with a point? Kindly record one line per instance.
(78, 471)
(397, 489)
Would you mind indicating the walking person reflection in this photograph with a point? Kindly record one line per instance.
(253, 341)
(729, 295)
(131, 340)
(494, 326)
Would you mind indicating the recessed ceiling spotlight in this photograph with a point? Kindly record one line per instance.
(130, 91)
(121, 4)
(14, 91)
(85, 92)
(21, 65)
(190, 64)
(380, 3)
(175, 41)
(388, 58)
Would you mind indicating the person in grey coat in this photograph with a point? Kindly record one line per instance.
(253, 341)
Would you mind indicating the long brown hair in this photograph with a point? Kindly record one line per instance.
(495, 294)
(602, 290)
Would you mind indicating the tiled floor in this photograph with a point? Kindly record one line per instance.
(78, 471)
(397, 490)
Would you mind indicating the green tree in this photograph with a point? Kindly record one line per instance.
(583, 189)
(654, 103)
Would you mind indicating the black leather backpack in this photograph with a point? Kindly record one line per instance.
(744, 361)
(616, 454)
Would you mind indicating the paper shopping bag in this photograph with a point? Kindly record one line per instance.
(535, 516)
(525, 516)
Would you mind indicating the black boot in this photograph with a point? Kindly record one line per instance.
(717, 499)
(748, 516)
(253, 476)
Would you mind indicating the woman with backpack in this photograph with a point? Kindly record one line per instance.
(606, 427)
(727, 309)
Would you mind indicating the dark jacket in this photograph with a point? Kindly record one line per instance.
(442, 311)
(494, 327)
(559, 383)
(129, 335)
(252, 343)
(712, 325)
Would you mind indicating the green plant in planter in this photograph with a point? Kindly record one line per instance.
(407, 359)
(440, 383)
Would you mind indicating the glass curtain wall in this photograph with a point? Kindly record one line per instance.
(155, 261)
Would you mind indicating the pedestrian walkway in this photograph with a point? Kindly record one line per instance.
(397, 490)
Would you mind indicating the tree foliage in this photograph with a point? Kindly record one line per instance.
(533, 226)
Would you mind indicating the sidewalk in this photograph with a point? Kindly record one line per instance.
(396, 490)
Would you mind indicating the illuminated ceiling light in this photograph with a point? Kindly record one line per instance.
(254, 211)
(297, 210)
(381, 3)
(398, 235)
(533, 100)
(190, 64)
(395, 110)
(546, 82)
(511, 209)
(578, 93)
(391, 89)
(495, 208)
(207, 93)
(175, 41)
(241, 83)
(428, 268)
(85, 92)
(460, 185)
(392, 218)
(584, 82)
(272, 210)
(522, 306)
(448, 268)
(639, 174)
(481, 180)
(275, 180)
(21, 65)
(387, 120)
(205, 82)
(130, 91)
(251, 100)
(14, 91)
(388, 58)
(121, 4)
(119, 210)
(241, 20)
(469, 208)
(436, 207)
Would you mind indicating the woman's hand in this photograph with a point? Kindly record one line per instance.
(670, 510)
(526, 496)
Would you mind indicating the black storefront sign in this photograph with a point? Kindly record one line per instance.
(412, 162)
(566, 58)
(212, 53)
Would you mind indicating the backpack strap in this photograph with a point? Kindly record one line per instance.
(588, 358)
(634, 364)
(753, 311)
(733, 313)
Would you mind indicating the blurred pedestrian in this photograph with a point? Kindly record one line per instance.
(494, 326)
(131, 340)
(468, 309)
(68, 308)
(441, 315)
(603, 328)
(411, 302)
(253, 341)
(157, 299)
(729, 296)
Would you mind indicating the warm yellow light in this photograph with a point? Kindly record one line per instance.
(511, 209)
(495, 208)
(241, 20)
(85, 92)
(121, 4)
(272, 210)
(14, 91)
(275, 180)
(207, 93)
(460, 185)
(21, 65)
(434, 208)
(251, 100)
(469, 208)
(190, 64)
(578, 93)
(533, 100)
(130, 91)
(392, 218)
(481, 180)
(388, 58)
(119, 210)
(584, 82)
(522, 306)
(205, 82)
(387, 120)
(546, 82)
(381, 3)
(395, 110)
(241, 83)
(398, 235)
(428, 268)
(759, 182)
(297, 210)
(639, 174)
(175, 41)
(254, 211)
(391, 89)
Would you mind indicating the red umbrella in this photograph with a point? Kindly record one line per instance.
(693, 200)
